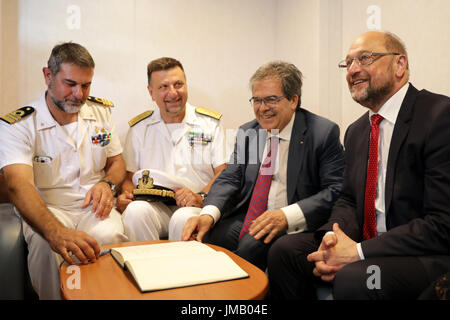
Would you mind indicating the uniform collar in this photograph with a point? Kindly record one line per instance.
(189, 116)
(45, 119)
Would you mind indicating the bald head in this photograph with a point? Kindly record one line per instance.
(372, 84)
(389, 41)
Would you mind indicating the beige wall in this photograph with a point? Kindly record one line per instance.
(423, 25)
(220, 43)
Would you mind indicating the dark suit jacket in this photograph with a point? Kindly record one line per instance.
(417, 191)
(314, 169)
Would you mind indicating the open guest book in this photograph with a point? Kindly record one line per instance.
(176, 264)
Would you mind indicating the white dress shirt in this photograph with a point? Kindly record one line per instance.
(389, 111)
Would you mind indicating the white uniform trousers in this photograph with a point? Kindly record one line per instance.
(43, 262)
(179, 219)
(144, 220)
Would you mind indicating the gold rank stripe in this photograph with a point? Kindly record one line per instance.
(17, 115)
(101, 101)
(140, 117)
(208, 112)
(154, 192)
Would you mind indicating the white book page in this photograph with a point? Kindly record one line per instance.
(184, 270)
(163, 249)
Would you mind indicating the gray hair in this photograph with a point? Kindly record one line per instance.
(69, 52)
(287, 73)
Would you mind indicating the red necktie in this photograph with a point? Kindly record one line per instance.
(370, 215)
(258, 202)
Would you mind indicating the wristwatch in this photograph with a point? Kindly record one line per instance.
(203, 195)
(111, 185)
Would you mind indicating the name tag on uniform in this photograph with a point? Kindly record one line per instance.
(198, 138)
(101, 137)
(42, 159)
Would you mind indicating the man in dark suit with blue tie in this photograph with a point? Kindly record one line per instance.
(388, 236)
(253, 202)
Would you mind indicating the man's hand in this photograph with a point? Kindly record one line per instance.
(102, 200)
(335, 251)
(270, 223)
(123, 200)
(186, 198)
(67, 241)
(196, 227)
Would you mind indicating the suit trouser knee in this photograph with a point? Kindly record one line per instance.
(290, 274)
(254, 251)
(384, 278)
(225, 233)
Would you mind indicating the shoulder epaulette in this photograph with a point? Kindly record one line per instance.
(209, 113)
(17, 115)
(140, 117)
(101, 101)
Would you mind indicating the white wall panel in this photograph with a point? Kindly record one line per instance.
(220, 43)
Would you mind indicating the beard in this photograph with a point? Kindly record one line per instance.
(175, 107)
(374, 95)
(64, 105)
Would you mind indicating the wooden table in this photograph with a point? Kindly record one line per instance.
(106, 280)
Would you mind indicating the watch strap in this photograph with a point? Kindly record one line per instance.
(111, 185)
(204, 195)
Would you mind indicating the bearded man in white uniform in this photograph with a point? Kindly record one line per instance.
(61, 159)
(181, 144)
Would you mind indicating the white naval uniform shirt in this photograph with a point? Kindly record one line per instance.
(64, 171)
(151, 145)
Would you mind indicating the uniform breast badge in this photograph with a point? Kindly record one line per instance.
(101, 137)
(147, 191)
(198, 138)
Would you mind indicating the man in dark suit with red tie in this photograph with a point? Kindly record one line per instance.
(253, 202)
(388, 236)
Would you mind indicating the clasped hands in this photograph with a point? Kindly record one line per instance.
(335, 251)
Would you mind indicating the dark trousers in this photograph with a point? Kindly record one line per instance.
(226, 234)
(290, 274)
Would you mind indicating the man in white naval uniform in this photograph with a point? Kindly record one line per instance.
(183, 144)
(61, 159)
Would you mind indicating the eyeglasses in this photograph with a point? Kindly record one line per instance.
(270, 101)
(364, 59)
